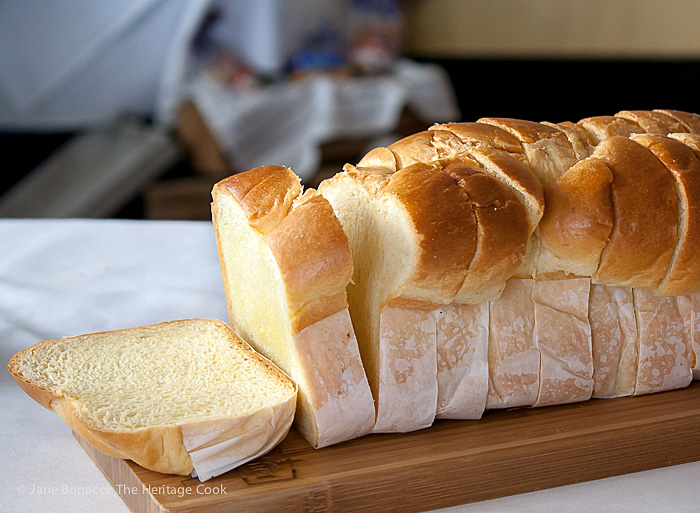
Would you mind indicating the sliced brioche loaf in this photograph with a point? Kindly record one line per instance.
(285, 264)
(179, 397)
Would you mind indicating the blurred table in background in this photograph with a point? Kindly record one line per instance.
(313, 125)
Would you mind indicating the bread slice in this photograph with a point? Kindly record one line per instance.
(643, 239)
(563, 337)
(665, 353)
(513, 355)
(614, 339)
(683, 274)
(462, 360)
(285, 264)
(179, 397)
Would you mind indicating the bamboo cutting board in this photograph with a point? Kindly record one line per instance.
(451, 463)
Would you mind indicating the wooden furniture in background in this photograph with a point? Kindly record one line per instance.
(187, 195)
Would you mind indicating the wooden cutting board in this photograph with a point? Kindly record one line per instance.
(451, 463)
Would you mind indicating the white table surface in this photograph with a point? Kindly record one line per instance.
(68, 277)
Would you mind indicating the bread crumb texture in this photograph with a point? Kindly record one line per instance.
(155, 375)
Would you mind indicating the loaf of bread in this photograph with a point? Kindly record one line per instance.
(181, 397)
(285, 264)
(492, 264)
(603, 289)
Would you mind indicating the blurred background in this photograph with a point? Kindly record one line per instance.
(134, 109)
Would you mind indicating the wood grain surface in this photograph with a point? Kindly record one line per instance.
(451, 463)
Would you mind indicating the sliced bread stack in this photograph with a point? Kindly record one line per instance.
(603, 295)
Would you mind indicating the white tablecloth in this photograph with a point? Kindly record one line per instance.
(67, 277)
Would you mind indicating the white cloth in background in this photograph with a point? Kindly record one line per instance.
(76, 65)
(67, 277)
(285, 123)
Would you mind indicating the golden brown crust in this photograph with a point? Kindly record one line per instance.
(526, 131)
(644, 236)
(548, 149)
(445, 224)
(502, 232)
(40, 395)
(684, 275)
(380, 157)
(518, 176)
(425, 147)
(579, 217)
(313, 254)
(689, 120)
(475, 134)
(265, 194)
(158, 448)
(602, 127)
(652, 122)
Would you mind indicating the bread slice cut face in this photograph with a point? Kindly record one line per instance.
(179, 397)
(285, 264)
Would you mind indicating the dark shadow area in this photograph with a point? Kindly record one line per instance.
(568, 90)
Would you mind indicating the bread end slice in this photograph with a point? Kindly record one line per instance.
(179, 397)
(285, 285)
